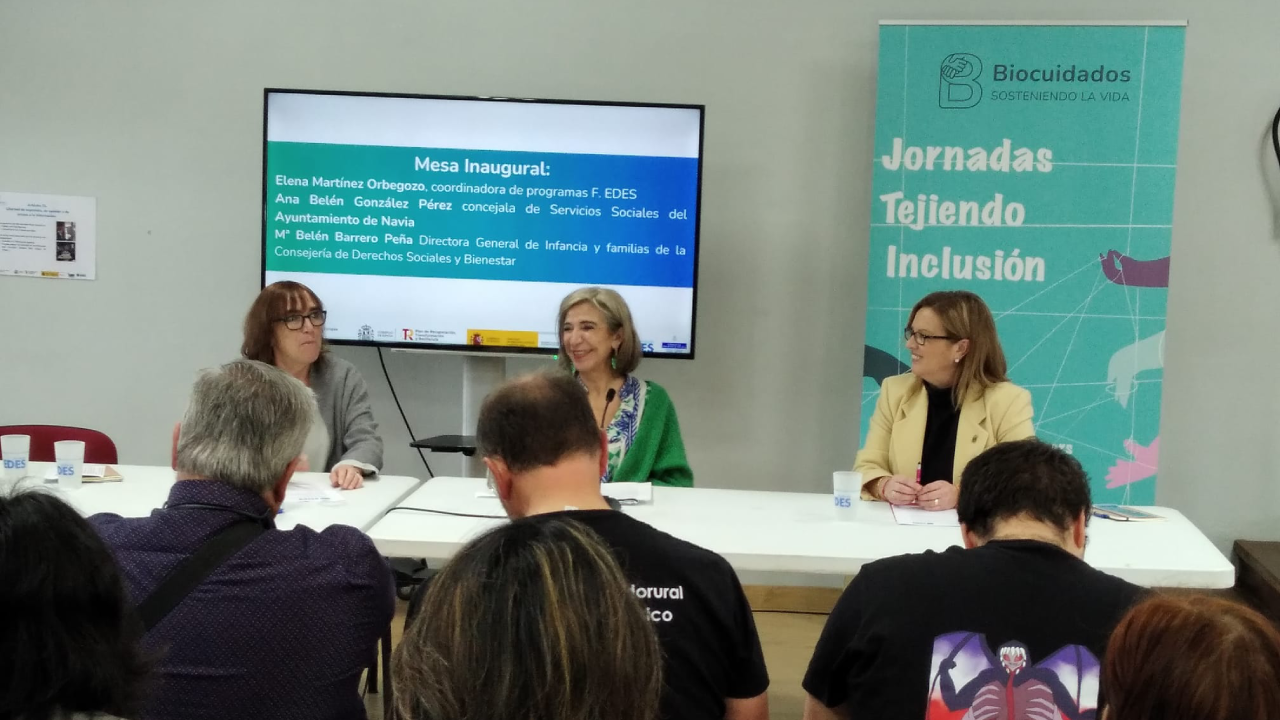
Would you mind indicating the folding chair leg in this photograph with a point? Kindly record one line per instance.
(387, 704)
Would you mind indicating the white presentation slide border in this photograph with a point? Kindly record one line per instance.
(388, 305)
(482, 124)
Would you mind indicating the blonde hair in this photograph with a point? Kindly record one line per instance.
(617, 317)
(533, 620)
(964, 316)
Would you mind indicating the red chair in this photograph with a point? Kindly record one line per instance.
(98, 448)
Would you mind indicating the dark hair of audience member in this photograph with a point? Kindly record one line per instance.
(536, 421)
(1025, 478)
(1192, 657)
(533, 620)
(69, 632)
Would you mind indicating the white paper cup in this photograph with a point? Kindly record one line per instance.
(69, 457)
(16, 452)
(847, 487)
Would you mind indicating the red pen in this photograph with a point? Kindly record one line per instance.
(919, 467)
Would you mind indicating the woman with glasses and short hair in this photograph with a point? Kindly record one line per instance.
(284, 328)
(956, 402)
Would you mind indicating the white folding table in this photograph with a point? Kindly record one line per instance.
(146, 487)
(798, 533)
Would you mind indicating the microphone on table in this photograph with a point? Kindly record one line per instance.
(608, 398)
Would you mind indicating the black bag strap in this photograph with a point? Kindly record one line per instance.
(192, 571)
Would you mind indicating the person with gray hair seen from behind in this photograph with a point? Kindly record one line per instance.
(248, 620)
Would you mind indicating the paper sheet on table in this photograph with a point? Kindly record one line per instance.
(628, 491)
(907, 515)
(301, 492)
(91, 472)
(622, 492)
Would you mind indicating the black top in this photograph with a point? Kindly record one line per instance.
(995, 630)
(698, 609)
(697, 606)
(937, 456)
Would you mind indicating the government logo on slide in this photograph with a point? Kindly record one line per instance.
(958, 86)
(365, 333)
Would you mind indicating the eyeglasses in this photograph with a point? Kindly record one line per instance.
(921, 338)
(294, 322)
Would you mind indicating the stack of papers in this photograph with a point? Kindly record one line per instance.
(908, 515)
(302, 492)
(627, 493)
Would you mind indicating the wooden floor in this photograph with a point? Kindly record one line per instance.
(787, 639)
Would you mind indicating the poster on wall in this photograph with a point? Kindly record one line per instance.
(1034, 165)
(48, 236)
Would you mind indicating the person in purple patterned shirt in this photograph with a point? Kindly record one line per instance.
(285, 626)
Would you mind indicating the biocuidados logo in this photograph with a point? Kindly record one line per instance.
(958, 86)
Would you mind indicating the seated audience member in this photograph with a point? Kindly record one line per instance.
(69, 633)
(955, 403)
(1192, 658)
(284, 626)
(546, 454)
(533, 620)
(284, 328)
(600, 345)
(1009, 626)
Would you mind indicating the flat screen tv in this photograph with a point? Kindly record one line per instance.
(459, 223)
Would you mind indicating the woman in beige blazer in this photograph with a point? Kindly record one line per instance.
(955, 403)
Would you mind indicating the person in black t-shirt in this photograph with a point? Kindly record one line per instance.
(546, 454)
(1012, 627)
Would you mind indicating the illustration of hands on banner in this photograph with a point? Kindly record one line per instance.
(1124, 270)
(878, 364)
(1127, 362)
(1144, 464)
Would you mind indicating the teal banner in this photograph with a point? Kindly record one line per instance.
(1034, 165)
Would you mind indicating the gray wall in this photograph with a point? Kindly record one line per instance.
(154, 107)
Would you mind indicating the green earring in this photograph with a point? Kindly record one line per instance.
(613, 362)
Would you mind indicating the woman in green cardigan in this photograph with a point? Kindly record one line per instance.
(598, 342)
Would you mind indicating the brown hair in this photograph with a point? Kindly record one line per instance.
(532, 620)
(965, 317)
(537, 420)
(1192, 657)
(273, 303)
(618, 318)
